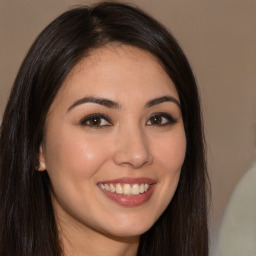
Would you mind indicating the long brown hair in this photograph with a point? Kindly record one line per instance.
(27, 221)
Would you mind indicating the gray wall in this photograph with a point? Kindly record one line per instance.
(218, 37)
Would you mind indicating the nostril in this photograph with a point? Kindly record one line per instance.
(132, 158)
(132, 148)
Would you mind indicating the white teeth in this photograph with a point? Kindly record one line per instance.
(126, 189)
(112, 188)
(119, 189)
(142, 188)
(135, 189)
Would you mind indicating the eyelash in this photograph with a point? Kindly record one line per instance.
(94, 117)
(170, 120)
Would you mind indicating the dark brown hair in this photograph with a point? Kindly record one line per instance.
(27, 221)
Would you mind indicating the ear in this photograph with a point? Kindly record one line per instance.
(42, 164)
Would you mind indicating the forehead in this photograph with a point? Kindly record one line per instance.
(114, 69)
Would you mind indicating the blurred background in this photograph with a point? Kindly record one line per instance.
(219, 39)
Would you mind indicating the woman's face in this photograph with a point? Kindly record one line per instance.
(114, 143)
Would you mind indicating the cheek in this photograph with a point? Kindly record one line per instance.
(73, 154)
(171, 153)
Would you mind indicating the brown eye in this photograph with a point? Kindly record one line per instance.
(96, 121)
(156, 120)
(161, 119)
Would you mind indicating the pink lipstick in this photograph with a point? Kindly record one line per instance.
(128, 191)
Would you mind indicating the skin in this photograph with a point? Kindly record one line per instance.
(130, 143)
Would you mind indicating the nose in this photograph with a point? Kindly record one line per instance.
(132, 149)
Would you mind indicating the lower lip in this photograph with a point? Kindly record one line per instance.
(132, 200)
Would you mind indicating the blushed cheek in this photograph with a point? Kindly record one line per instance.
(80, 157)
(173, 154)
(87, 159)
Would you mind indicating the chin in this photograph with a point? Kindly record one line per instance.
(130, 229)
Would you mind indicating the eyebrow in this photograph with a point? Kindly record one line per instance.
(161, 100)
(115, 105)
(101, 101)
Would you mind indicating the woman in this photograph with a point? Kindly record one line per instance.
(101, 146)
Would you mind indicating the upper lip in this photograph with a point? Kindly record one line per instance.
(129, 180)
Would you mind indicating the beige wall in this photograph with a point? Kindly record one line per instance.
(219, 38)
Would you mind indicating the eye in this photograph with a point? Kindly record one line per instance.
(161, 119)
(96, 121)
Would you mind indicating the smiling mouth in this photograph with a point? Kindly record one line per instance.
(126, 189)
